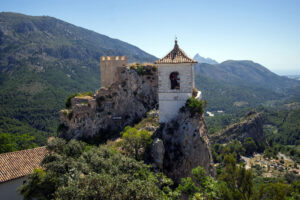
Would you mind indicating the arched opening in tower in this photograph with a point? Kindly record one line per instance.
(175, 81)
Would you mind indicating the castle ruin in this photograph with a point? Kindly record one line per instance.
(108, 69)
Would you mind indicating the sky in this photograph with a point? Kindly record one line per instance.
(264, 31)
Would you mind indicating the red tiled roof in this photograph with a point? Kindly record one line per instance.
(20, 163)
(176, 56)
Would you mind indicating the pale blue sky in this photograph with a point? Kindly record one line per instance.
(265, 31)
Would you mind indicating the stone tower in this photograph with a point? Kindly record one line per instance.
(175, 82)
(108, 69)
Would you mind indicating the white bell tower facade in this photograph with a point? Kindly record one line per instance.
(175, 83)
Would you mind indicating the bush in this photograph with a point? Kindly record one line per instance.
(199, 186)
(135, 142)
(68, 101)
(195, 106)
(250, 146)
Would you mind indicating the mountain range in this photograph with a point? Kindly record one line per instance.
(43, 60)
(234, 84)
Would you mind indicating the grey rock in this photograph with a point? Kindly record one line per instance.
(186, 146)
(251, 125)
(111, 109)
(158, 151)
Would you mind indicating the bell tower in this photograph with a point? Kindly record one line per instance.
(175, 82)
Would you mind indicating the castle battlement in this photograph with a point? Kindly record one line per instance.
(113, 58)
(108, 69)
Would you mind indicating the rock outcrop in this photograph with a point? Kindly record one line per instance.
(124, 103)
(181, 145)
(251, 125)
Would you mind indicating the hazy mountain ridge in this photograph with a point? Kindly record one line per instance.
(201, 59)
(246, 73)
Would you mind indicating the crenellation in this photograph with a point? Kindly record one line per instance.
(108, 69)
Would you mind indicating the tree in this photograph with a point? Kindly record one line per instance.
(15, 142)
(250, 146)
(134, 142)
(74, 170)
(238, 180)
(274, 191)
(6, 143)
(199, 185)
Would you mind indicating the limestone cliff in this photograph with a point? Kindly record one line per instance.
(181, 145)
(178, 147)
(251, 125)
(111, 109)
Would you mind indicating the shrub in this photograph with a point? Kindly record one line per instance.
(250, 146)
(143, 69)
(135, 142)
(68, 101)
(83, 94)
(195, 106)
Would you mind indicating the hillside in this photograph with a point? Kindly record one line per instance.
(231, 98)
(42, 61)
(246, 73)
(233, 85)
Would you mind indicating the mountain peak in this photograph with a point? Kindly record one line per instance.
(201, 59)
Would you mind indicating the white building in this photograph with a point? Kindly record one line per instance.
(175, 82)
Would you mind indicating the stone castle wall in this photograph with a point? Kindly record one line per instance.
(108, 69)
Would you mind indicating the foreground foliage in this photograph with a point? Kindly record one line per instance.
(236, 183)
(74, 170)
(134, 142)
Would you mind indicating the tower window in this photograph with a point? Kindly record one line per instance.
(175, 81)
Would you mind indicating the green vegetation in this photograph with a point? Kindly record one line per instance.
(134, 142)
(35, 84)
(199, 186)
(144, 69)
(195, 106)
(74, 170)
(68, 101)
(234, 182)
(15, 142)
(222, 95)
(280, 125)
(83, 94)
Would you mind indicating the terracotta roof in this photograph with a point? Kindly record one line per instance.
(20, 163)
(176, 56)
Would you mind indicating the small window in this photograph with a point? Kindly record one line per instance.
(175, 81)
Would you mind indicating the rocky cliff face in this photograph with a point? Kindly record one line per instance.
(111, 109)
(178, 147)
(181, 145)
(250, 125)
